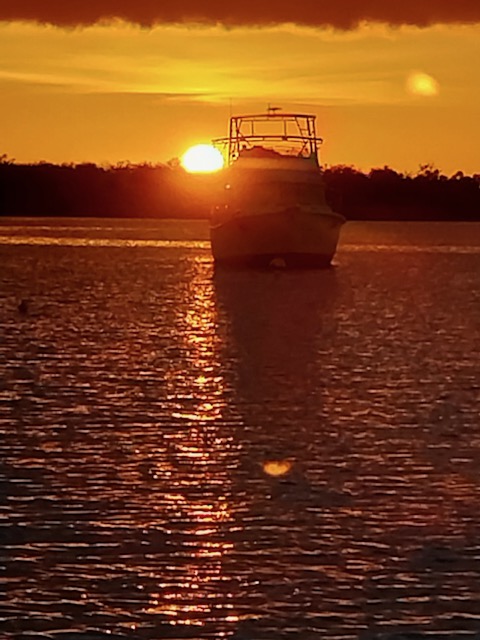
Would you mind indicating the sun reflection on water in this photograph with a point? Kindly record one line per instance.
(198, 503)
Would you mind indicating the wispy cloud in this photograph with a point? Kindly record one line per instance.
(212, 64)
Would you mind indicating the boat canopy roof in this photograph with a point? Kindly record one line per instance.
(271, 133)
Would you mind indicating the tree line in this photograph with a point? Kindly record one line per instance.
(166, 191)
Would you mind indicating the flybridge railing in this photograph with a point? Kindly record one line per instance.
(293, 134)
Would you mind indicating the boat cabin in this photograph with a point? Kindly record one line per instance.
(271, 135)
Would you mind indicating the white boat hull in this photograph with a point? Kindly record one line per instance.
(291, 238)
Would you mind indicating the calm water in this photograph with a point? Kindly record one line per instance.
(247, 455)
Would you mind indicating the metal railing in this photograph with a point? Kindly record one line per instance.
(293, 134)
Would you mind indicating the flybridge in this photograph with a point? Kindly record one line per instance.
(274, 132)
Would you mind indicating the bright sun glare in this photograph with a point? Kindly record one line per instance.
(421, 84)
(202, 158)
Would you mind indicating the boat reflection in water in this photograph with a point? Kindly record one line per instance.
(279, 328)
(272, 208)
(277, 324)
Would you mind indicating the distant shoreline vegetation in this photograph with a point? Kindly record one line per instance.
(165, 191)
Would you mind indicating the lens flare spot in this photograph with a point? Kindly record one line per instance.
(202, 158)
(421, 84)
(277, 468)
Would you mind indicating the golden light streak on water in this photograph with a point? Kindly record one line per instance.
(196, 381)
(204, 245)
(103, 242)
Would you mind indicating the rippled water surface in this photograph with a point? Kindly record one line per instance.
(187, 453)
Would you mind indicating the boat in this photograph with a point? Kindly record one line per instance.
(270, 208)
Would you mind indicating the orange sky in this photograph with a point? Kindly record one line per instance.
(397, 95)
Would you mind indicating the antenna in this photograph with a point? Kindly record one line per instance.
(272, 110)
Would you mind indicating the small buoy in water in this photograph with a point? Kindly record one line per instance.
(23, 307)
(278, 263)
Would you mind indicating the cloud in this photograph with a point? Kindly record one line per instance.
(342, 14)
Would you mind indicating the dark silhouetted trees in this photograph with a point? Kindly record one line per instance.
(384, 194)
(166, 191)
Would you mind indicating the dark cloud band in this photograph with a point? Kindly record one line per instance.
(343, 14)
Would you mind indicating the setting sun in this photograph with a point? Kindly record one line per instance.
(202, 158)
